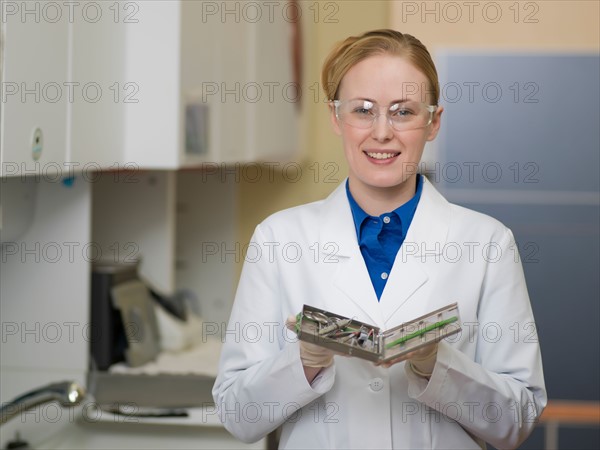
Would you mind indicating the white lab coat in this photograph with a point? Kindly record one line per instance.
(487, 384)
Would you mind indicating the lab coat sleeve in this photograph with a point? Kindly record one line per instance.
(261, 381)
(499, 396)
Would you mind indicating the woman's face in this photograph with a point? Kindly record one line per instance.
(381, 157)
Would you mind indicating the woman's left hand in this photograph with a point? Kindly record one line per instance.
(421, 361)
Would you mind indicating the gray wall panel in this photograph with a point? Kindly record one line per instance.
(546, 144)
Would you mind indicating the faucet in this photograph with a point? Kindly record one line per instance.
(66, 393)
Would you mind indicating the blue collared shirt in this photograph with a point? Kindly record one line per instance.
(380, 237)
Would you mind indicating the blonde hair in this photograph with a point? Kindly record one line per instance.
(385, 41)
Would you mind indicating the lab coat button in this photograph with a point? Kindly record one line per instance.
(376, 384)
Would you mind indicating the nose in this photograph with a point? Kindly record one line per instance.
(382, 129)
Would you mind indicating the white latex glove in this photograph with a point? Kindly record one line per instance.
(423, 361)
(420, 362)
(311, 355)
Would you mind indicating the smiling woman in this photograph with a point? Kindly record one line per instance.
(383, 156)
(387, 225)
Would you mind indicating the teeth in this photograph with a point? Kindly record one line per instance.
(381, 155)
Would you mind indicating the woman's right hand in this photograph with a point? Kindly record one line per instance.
(312, 356)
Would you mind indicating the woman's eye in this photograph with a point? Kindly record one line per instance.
(362, 111)
(403, 112)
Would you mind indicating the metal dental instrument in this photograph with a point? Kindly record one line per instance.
(317, 317)
(337, 325)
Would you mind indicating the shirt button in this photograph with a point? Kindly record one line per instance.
(376, 384)
(386, 219)
(384, 275)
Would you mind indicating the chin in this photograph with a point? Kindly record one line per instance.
(383, 182)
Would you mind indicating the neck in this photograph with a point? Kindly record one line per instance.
(379, 200)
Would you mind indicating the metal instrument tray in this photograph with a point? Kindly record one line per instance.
(354, 338)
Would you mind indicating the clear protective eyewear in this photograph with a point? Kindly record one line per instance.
(402, 116)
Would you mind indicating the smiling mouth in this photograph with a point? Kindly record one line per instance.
(381, 155)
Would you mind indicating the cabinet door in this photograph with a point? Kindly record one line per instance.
(231, 105)
(200, 46)
(98, 117)
(274, 115)
(35, 89)
(152, 62)
(237, 70)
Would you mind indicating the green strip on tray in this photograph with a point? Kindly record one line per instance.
(298, 322)
(418, 333)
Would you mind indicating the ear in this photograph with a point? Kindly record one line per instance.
(435, 123)
(334, 121)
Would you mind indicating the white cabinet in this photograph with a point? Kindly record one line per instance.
(153, 84)
(228, 77)
(33, 85)
(62, 88)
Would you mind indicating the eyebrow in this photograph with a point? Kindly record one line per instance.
(393, 102)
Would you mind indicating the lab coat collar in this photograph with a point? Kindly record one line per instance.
(426, 237)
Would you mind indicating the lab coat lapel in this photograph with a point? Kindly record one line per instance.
(425, 239)
(351, 277)
(406, 278)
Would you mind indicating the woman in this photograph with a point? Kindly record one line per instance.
(384, 248)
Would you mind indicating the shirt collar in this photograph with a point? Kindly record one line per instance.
(405, 212)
